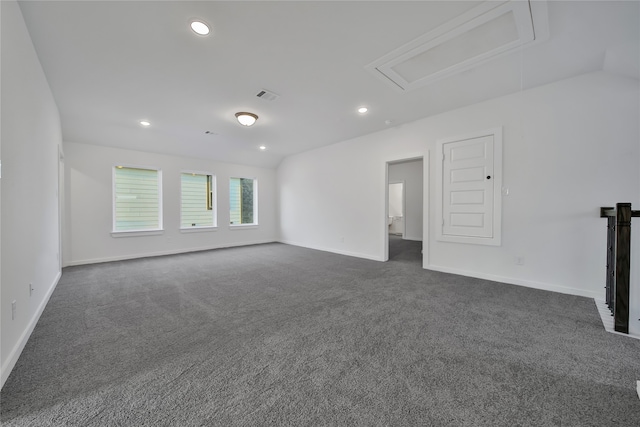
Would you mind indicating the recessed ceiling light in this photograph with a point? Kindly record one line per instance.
(199, 27)
(262, 147)
(145, 123)
(362, 110)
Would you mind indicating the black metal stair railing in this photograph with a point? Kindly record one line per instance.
(618, 262)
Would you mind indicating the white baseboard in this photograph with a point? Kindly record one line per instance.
(518, 282)
(11, 361)
(162, 253)
(492, 277)
(333, 250)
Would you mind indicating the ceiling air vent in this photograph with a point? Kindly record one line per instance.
(267, 95)
(483, 33)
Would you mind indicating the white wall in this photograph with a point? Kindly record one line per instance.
(88, 181)
(634, 279)
(411, 174)
(30, 223)
(569, 148)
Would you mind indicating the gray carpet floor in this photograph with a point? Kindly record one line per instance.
(286, 336)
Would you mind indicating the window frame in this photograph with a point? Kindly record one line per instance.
(214, 203)
(254, 224)
(140, 232)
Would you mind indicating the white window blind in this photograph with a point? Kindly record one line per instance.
(136, 199)
(197, 204)
(243, 201)
(234, 201)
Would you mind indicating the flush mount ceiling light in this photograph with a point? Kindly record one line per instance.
(262, 147)
(362, 110)
(199, 27)
(145, 123)
(246, 119)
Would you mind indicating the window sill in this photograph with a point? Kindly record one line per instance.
(137, 233)
(243, 226)
(198, 229)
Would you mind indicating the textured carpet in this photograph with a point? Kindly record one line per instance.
(279, 335)
(405, 251)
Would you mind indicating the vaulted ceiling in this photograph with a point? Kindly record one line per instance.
(111, 64)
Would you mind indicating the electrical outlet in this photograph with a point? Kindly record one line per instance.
(519, 260)
(13, 310)
(505, 191)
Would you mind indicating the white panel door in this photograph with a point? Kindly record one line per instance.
(468, 187)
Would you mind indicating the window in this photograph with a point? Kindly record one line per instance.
(197, 206)
(137, 199)
(243, 201)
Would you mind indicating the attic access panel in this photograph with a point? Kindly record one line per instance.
(484, 32)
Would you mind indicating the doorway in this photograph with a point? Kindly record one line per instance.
(396, 208)
(405, 217)
(61, 210)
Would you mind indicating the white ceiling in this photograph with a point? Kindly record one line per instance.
(111, 64)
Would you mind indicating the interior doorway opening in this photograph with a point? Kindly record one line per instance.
(404, 211)
(396, 208)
